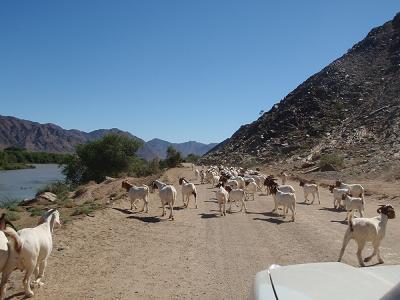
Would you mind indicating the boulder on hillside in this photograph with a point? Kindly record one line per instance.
(46, 196)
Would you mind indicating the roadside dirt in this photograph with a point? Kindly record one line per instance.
(120, 254)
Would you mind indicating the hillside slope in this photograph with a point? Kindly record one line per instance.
(350, 108)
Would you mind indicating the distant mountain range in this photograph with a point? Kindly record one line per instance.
(48, 137)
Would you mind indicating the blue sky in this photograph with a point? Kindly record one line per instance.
(175, 70)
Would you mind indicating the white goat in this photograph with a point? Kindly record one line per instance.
(188, 189)
(357, 190)
(222, 197)
(196, 174)
(37, 244)
(167, 195)
(232, 183)
(287, 200)
(337, 196)
(284, 177)
(310, 188)
(214, 180)
(251, 189)
(353, 203)
(286, 188)
(136, 193)
(9, 253)
(236, 196)
(240, 181)
(364, 230)
(202, 176)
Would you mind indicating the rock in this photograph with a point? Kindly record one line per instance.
(47, 196)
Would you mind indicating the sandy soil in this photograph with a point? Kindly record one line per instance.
(120, 254)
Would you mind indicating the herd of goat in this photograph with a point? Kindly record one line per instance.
(236, 186)
(28, 249)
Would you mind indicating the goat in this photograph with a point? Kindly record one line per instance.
(167, 195)
(337, 196)
(236, 195)
(9, 252)
(36, 246)
(283, 177)
(310, 188)
(364, 230)
(222, 197)
(287, 200)
(355, 189)
(196, 174)
(251, 189)
(136, 193)
(352, 203)
(188, 189)
(240, 181)
(214, 180)
(202, 176)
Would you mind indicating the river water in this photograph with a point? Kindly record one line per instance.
(21, 184)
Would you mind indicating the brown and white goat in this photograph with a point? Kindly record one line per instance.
(364, 230)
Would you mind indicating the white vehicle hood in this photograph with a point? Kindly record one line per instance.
(325, 281)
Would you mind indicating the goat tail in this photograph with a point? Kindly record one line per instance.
(15, 238)
(350, 221)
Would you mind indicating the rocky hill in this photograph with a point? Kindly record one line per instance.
(48, 137)
(350, 109)
(34, 136)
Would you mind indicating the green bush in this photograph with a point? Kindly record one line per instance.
(192, 158)
(10, 204)
(174, 157)
(12, 215)
(85, 209)
(109, 156)
(58, 188)
(332, 159)
(36, 211)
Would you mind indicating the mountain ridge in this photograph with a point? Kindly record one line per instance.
(49, 137)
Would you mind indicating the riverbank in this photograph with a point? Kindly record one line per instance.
(16, 166)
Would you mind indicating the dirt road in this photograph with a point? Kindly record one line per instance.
(119, 254)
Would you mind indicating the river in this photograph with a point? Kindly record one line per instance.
(21, 184)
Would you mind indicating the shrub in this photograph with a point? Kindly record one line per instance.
(10, 204)
(12, 215)
(109, 156)
(85, 209)
(174, 157)
(332, 159)
(36, 211)
(59, 188)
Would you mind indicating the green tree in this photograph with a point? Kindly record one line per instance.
(174, 157)
(109, 156)
(192, 158)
